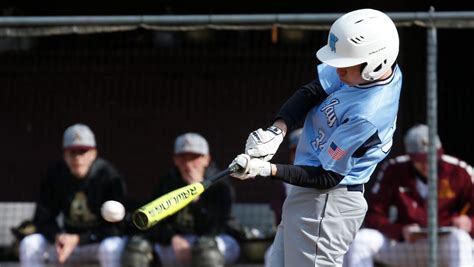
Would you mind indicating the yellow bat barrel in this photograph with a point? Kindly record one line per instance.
(166, 205)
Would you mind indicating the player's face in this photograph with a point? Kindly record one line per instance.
(421, 166)
(351, 75)
(192, 166)
(79, 161)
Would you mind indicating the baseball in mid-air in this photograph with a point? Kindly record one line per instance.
(112, 211)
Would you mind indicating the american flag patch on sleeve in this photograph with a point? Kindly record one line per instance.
(336, 152)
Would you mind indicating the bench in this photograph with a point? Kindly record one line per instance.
(257, 219)
(11, 215)
(258, 223)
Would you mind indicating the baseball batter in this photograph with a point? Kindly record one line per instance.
(351, 109)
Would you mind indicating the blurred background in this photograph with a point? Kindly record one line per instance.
(139, 88)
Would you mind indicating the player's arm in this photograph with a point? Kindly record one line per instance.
(306, 176)
(298, 105)
(47, 206)
(318, 177)
(263, 144)
(464, 218)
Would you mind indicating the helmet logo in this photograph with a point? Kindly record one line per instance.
(332, 42)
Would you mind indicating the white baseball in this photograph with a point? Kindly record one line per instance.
(112, 211)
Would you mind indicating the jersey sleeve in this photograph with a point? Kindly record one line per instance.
(328, 78)
(337, 152)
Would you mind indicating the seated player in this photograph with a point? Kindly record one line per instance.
(402, 183)
(74, 190)
(199, 234)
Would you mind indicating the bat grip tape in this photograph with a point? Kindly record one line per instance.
(208, 182)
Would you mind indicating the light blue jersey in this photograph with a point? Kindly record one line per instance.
(349, 118)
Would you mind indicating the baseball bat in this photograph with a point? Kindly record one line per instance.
(168, 204)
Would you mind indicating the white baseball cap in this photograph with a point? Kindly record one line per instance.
(78, 136)
(191, 143)
(416, 142)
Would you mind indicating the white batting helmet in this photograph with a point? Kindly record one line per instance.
(362, 36)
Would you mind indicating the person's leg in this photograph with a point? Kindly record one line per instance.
(32, 250)
(320, 225)
(340, 220)
(472, 247)
(366, 244)
(266, 257)
(166, 253)
(404, 254)
(84, 254)
(303, 213)
(455, 249)
(277, 255)
(301, 216)
(229, 247)
(110, 251)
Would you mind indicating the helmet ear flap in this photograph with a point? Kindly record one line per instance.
(374, 70)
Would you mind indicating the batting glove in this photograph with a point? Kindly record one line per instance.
(263, 144)
(250, 167)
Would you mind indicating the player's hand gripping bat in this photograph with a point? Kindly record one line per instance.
(168, 204)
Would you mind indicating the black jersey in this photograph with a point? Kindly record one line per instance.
(209, 215)
(78, 201)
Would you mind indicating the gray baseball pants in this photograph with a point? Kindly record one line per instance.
(317, 226)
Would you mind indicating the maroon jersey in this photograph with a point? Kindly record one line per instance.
(396, 186)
